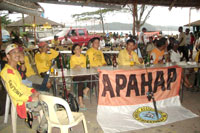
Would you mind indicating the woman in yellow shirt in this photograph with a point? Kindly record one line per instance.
(78, 61)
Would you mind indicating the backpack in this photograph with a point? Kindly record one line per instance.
(73, 104)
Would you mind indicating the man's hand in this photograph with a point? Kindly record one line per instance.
(35, 96)
(21, 58)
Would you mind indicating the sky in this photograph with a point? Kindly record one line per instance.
(159, 16)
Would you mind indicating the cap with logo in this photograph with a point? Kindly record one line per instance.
(10, 47)
(42, 44)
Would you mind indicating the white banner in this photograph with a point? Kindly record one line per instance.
(133, 117)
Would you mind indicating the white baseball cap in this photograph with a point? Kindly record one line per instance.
(10, 47)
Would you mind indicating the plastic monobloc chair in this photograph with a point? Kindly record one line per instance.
(13, 112)
(61, 119)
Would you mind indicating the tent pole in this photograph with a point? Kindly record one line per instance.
(189, 17)
(134, 12)
(34, 28)
(0, 33)
(23, 22)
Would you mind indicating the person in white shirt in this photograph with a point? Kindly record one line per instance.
(175, 57)
(66, 41)
(142, 36)
(187, 41)
(126, 37)
(115, 41)
(102, 42)
(142, 44)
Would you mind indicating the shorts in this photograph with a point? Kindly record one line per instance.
(190, 47)
(35, 79)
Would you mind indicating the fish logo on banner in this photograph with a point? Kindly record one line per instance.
(148, 115)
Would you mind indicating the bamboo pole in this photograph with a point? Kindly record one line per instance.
(189, 16)
(34, 26)
(0, 33)
(23, 22)
(134, 11)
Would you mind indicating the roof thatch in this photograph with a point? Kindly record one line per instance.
(21, 6)
(195, 23)
(169, 3)
(28, 21)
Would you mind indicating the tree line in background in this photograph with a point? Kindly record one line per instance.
(140, 14)
(5, 20)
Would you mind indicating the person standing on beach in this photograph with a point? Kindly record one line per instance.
(142, 44)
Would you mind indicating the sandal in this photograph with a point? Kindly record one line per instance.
(29, 119)
(82, 107)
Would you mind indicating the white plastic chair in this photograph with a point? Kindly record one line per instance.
(13, 112)
(61, 119)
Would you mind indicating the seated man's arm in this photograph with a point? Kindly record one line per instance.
(53, 54)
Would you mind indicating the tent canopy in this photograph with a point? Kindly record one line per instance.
(195, 23)
(39, 21)
(107, 3)
(21, 6)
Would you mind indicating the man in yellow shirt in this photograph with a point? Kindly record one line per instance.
(158, 53)
(37, 81)
(96, 56)
(43, 59)
(55, 41)
(128, 56)
(21, 96)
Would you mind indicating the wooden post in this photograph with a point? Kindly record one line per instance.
(190, 17)
(0, 33)
(134, 11)
(34, 27)
(23, 22)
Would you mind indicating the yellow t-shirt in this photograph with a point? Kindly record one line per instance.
(29, 69)
(197, 59)
(43, 60)
(96, 57)
(18, 92)
(78, 61)
(125, 59)
(55, 42)
(157, 55)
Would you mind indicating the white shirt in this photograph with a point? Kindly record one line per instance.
(102, 44)
(175, 56)
(115, 42)
(140, 37)
(188, 38)
(66, 42)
